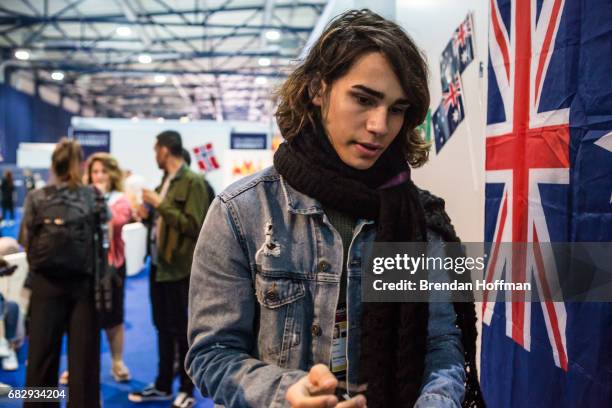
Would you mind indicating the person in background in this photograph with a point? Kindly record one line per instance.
(104, 173)
(8, 196)
(28, 180)
(175, 212)
(11, 333)
(58, 236)
(12, 329)
(284, 268)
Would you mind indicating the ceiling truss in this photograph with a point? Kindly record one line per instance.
(206, 59)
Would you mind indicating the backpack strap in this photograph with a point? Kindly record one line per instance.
(49, 191)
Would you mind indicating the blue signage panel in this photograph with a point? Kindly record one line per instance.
(249, 141)
(92, 140)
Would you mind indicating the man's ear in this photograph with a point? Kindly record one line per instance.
(317, 90)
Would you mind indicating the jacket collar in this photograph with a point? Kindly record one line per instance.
(178, 175)
(299, 203)
(182, 170)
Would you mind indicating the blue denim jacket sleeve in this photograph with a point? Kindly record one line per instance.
(444, 376)
(222, 321)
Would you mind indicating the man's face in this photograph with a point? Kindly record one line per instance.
(364, 110)
(161, 156)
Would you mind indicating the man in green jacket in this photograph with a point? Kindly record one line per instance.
(176, 211)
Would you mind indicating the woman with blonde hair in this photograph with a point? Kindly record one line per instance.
(105, 174)
(58, 234)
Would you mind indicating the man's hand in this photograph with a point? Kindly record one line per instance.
(151, 197)
(316, 390)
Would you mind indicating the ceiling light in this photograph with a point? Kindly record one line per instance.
(124, 31)
(184, 119)
(160, 120)
(260, 80)
(22, 55)
(273, 35)
(160, 79)
(57, 75)
(145, 59)
(264, 62)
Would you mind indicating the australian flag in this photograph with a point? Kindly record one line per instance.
(463, 44)
(449, 114)
(549, 179)
(458, 53)
(449, 66)
(206, 158)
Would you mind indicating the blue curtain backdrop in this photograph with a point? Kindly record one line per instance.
(25, 118)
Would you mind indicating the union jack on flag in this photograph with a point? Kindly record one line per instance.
(548, 180)
(205, 157)
(463, 43)
(449, 114)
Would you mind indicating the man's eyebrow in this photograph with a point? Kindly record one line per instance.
(379, 95)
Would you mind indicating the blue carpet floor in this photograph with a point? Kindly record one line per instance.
(140, 352)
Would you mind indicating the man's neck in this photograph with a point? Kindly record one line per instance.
(173, 164)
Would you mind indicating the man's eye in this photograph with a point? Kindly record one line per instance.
(363, 100)
(398, 110)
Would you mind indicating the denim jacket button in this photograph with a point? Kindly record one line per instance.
(316, 330)
(271, 295)
(324, 266)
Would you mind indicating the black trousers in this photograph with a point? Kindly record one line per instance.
(56, 308)
(169, 302)
(8, 210)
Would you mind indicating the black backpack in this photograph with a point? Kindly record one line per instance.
(61, 243)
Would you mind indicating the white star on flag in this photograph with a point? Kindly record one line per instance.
(456, 116)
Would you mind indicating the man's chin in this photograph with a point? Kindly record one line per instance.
(360, 164)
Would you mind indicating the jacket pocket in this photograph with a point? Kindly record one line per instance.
(281, 302)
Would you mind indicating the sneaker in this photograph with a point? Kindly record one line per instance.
(10, 363)
(5, 350)
(183, 400)
(149, 394)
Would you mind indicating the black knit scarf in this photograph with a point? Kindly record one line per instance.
(393, 335)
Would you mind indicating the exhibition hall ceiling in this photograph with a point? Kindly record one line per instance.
(201, 59)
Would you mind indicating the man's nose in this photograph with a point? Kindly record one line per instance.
(377, 121)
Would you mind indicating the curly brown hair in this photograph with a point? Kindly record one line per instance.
(347, 38)
(111, 165)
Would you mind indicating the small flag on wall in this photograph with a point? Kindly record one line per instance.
(457, 55)
(449, 66)
(463, 43)
(206, 157)
(449, 114)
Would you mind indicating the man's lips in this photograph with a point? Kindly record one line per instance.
(368, 149)
(371, 146)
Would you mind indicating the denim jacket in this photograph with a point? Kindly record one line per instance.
(265, 283)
